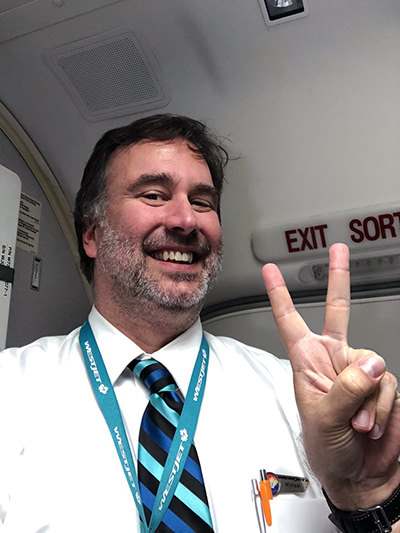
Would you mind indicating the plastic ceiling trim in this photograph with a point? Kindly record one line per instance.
(13, 130)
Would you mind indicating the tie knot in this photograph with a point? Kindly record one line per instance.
(153, 374)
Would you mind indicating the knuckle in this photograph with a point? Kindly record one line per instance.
(338, 302)
(365, 353)
(390, 380)
(381, 411)
(354, 383)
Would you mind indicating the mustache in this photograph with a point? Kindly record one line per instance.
(197, 243)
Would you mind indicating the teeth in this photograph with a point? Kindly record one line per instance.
(180, 257)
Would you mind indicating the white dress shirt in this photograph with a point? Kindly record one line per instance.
(60, 472)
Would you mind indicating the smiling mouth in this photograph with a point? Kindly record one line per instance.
(170, 256)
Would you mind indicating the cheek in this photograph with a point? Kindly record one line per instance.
(213, 231)
(129, 222)
(138, 218)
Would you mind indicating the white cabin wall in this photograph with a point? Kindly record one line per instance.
(61, 303)
(374, 324)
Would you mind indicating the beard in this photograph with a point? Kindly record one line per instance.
(124, 259)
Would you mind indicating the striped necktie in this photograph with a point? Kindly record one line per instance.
(188, 510)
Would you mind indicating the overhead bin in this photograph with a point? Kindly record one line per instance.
(10, 192)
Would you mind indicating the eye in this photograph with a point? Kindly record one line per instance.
(154, 197)
(202, 205)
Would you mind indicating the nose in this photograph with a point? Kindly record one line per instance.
(180, 216)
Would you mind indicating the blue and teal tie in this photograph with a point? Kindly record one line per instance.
(188, 510)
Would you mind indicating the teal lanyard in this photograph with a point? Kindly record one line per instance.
(184, 434)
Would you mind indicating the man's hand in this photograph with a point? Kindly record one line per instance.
(348, 404)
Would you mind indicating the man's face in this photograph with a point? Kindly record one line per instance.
(160, 239)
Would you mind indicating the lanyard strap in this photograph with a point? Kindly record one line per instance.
(184, 434)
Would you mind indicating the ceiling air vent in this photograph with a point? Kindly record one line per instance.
(110, 75)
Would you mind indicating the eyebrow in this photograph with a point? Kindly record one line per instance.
(166, 181)
(150, 179)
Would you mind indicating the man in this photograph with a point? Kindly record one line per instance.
(147, 220)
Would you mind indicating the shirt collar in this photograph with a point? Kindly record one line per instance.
(118, 350)
(179, 356)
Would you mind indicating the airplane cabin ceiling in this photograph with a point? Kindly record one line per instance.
(308, 107)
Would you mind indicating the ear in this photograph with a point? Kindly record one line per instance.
(89, 239)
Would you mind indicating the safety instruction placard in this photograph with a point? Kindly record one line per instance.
(29, 223)
(10, 189)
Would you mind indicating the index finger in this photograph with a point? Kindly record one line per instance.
(291, 325)
(337, 311)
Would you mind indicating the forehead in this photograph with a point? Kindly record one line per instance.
(173, 158)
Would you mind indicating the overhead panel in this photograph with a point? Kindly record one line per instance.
(19, 17)
(301, 247)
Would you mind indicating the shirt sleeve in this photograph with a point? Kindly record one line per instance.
(13, 414)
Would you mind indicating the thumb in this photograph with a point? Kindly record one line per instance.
(353, 385)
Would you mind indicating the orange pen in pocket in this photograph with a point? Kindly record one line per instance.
(266, 496)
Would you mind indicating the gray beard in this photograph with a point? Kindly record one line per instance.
(125, 264)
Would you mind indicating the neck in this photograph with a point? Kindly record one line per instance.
(149, 328)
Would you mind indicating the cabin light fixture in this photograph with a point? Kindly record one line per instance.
(280, 3)
(384, 268)
(278, 11)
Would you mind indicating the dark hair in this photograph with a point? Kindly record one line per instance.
(91, 198)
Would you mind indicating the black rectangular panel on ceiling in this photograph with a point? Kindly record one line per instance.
(278, 11)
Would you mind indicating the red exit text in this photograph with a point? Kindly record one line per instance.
(374, 228)
(310, 238)
(370, 228)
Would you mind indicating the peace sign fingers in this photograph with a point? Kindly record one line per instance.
(329, 351)
(337, 311)
(291, 325)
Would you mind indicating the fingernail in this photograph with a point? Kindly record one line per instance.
(373, 366)
(362, 419)
(375, 432)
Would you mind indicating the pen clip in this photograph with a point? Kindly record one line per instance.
(258, 505)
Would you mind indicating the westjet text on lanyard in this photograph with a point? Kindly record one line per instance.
(107, 401)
